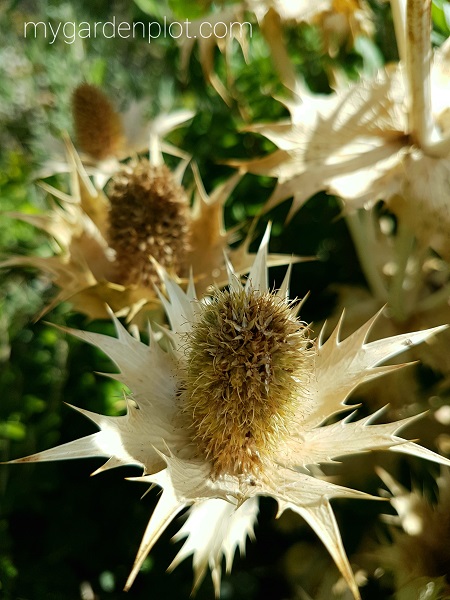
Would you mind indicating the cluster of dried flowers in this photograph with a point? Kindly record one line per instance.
(236, 398)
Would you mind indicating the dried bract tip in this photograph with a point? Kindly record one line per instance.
(248, 365)
(98, 127)
(149, 217)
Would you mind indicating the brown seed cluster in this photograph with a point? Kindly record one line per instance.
(98, 127)
(149, 217)
(249, 361)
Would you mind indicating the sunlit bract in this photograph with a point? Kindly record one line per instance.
(234, 407)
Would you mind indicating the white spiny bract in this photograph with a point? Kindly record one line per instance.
(181, 447)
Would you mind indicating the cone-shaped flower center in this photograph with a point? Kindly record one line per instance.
(149, 217)
(98, 127)
(248, 364)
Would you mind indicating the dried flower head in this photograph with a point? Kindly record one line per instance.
(149, 216)
(105, 137)
(98, 126)
(107, 243)
(274, 390)
(259, 350)
(340, 21)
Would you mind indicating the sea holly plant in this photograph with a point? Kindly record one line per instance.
(98, 233)
(240, 402)
(104, 136)
(414, 284)
(385, 138)
(109, 243)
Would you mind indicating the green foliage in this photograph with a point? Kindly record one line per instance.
(440, 12)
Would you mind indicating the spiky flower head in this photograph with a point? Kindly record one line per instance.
(275, 389)
(105, 137)
(149, 216)
(98, 126)
(381, 138)
(109, 243)
(247, 364)
(340, 21)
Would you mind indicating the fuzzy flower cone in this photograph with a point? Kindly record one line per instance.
(105, 137)
(109, 245)
(234, 408)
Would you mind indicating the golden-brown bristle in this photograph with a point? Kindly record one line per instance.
(98, 127)
(149, 217)
(248, 363)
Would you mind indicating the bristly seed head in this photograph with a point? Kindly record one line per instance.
(98, 127)
(249, 361)
(149, 217)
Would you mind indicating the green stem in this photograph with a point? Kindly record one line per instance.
(412, 24)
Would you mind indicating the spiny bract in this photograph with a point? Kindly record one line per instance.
(273, 391)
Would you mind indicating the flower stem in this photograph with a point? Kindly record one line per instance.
(360, 225)
(398, 8)
(418, 60)
(155, 153)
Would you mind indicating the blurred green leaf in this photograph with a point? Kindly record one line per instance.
(372, 57)
(33, 404)
(440, 13)
(190, 10)
(155, 8)
(98, 71)
(13, 430)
